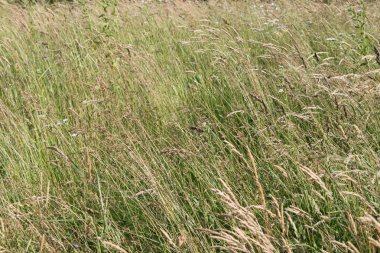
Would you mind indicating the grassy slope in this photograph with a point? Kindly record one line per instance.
(137, 137)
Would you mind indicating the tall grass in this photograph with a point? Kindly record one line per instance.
(190, 127)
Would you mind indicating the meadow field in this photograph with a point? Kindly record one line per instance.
(190, 126)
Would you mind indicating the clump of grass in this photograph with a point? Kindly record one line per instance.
(189, 127)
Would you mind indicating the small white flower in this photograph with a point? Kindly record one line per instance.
(359, 10)
(64, 121)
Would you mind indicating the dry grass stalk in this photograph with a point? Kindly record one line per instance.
(374, 242)
(352, 224)
(88, 162)
(373, 210)
(234, 150)
(169, 239)
(353, 247)
(247, 235)
(347, 246)
(298, 211)
(177, 152)
(370, 220)
(286, 245)
(114, 246)
(282, 170)
(284, 228)
(293, 225)
(316, 179)
(261, 191)
(42, 243)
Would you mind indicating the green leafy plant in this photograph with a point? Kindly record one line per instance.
(108, 16)
(359, 16)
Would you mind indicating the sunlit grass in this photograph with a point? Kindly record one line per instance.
(190, 127)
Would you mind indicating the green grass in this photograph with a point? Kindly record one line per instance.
(128, 127)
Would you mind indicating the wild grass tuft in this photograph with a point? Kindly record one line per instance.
(217, 126)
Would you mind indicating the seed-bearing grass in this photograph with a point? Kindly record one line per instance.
(190, 127)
